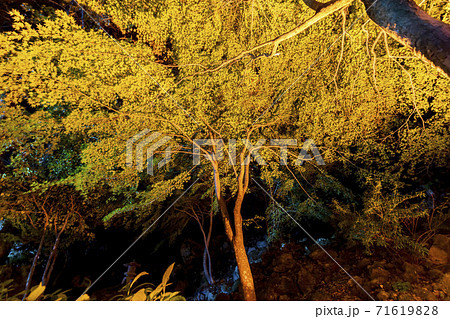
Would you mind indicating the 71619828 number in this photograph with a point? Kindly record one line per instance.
(407, 310)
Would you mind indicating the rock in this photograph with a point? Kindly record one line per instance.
(445, 281)
(254, 255)
(412, 271)
(442, 242)
(380, 263)
(319, 255)
(284, 298)
(352, 283)
(379, 282)
(383, 296)
(378, 272)
(413, 268)
(363, 263)
(406, 296)
(389, 266)
(424, 294)
(356, 289)
(438, 256)
(435, 274)
(321, 296)
(378, 277)
(284, 263)
(306, 281)
(236, 274)
(286, 285)
(440, 251)
(323, 241)
(204, 296)
(262, 244)
(280, 285)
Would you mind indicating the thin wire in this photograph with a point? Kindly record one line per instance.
(314, 240)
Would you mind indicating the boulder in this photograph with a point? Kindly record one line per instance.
(445, 283)
(286, 286)
(435, 274)
(438, 256)
(406, 296)
(284, 263)
(443, 242)
(440, 251)
(378, 272)
(383, 296)
(412, 272)
(424, 294)
(363, 263)
(306, 281)
(320, 256)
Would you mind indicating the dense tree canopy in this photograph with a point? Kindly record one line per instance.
(75, 87)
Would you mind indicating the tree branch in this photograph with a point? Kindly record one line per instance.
(324, 10)
(408, 24)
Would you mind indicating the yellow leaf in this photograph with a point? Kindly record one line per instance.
(36, 293)
(135, 279)
(139, 296)
(84, 297)
(155, 292)
(167, 275)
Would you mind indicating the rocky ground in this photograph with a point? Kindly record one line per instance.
(285, 272)
(302, 271)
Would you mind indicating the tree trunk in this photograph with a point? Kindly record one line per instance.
(236, 238)
(245, 272)
(33, 265)
(50, 262)
(206, 255)
(52, 258)
(407, 23)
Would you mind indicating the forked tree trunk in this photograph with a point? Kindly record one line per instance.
(407, 23)
(236, 238)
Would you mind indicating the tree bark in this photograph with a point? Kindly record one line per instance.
(206, 255)
(236, 238)
(50, 262)
(33, 265)
(52, 258)
(245, 272)
(407, 23)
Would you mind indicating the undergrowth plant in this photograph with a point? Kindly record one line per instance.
(147, 291)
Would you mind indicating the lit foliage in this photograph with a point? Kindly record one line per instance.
(148, 292)
(379, 116)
